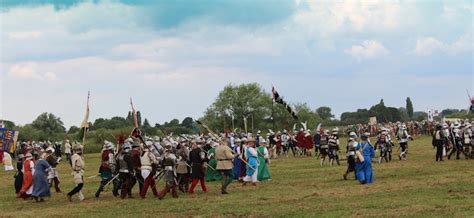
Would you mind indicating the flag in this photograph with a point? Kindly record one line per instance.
(136, 133)
(8, 139)
(85, 122)
(278, 99)
(430, 115)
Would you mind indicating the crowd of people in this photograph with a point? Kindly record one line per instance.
(182, 162)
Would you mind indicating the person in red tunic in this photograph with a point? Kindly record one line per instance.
(28, 171)
(300, 141)
(278, 144)
(308, 143)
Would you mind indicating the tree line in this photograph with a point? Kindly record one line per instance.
(246, 107)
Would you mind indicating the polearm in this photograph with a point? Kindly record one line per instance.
(217, 137)
(207, 153)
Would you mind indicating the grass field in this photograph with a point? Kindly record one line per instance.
(418, 187)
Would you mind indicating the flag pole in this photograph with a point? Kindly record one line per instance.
(85, 123)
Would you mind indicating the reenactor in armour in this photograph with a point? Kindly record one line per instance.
(333, 143)
(107, 167)
(350, 154)
(169, 162)
(126, 171)
(323, 150)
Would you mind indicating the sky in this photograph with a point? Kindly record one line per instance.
(173, 57)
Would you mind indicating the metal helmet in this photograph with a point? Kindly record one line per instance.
(352, 135)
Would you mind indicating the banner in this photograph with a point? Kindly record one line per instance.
(8, 139)
(373, 120)
(430, 115)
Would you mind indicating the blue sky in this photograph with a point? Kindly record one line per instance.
(173, 57)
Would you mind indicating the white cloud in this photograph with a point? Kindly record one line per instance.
(369, 49)
(25, 35)
(429, 45)
(328, 17)
(29, 71)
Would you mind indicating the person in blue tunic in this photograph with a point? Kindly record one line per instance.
(252, 163)
(237, 170)
(364, 171)
(40, 180)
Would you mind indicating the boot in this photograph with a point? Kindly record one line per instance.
(56, 185)
(97, 194)
(174, 193)
(345, 175)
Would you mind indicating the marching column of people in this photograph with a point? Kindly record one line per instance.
(184, 162)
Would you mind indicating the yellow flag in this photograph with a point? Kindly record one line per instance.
(85, 122)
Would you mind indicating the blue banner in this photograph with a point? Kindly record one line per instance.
(8, 139)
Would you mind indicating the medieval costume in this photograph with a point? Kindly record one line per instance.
(438, 143)
(333, 143)
(148, 170)
(382, 144)
(323, 150)
(53, 176)
(126, 171)
(300, 141)
(402, 137)
(197, 158)
(211, 173)
(350, 154)
(137, 176)
(182, 171)
(169, 164)
(317, 142)
(224, 165)
(28, 171)
(107, 168)
(237, 170)
(264, 160)
(467, 139)
(308, 141)
(19, 174)
(7, 161)
(285, 143)
(252, 164)
(40, 180)
(363, 167)
(68, 151)
(77, 161)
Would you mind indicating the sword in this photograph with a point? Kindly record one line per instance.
(113, 178)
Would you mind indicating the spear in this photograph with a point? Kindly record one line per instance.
(217, 137)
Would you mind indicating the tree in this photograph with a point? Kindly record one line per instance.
(188, 122)
(49, 124)
(8, 124)
(73, 130)
(243, 101)
(409, 108)
(325, 113)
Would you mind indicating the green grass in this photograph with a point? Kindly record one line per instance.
(418, 187)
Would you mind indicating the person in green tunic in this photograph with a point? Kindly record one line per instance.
(264, 160)
(211, 173)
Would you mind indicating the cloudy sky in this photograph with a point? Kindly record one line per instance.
(173, 57)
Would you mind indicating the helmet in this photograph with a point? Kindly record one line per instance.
(126, 147)
(365, 135)
(49, 150)
(78, 148)
(352, 135)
